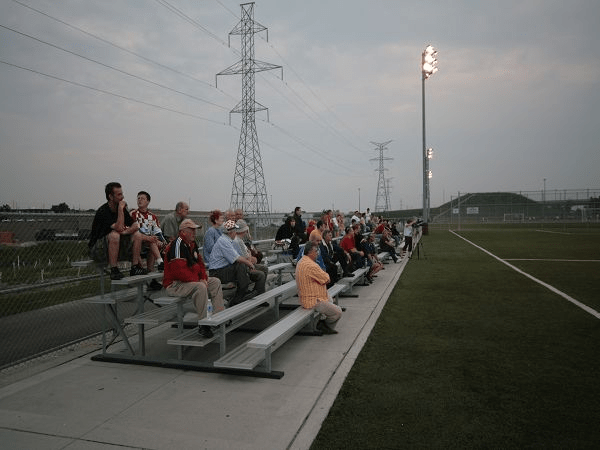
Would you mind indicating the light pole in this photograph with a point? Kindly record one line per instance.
(428, 68)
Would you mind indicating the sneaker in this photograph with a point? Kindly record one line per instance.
(137, 270)
(154, 286)
(205, 331)
(161, 266)
(115, 273)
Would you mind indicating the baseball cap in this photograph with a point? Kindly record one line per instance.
(188, 223)
(230, 225)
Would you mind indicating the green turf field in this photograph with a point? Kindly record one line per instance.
(469, 353)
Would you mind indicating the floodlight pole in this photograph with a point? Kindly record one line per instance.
(425, 161)
(428, 68)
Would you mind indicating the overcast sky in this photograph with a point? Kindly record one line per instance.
(124, 90)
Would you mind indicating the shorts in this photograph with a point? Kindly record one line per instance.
(99, 251)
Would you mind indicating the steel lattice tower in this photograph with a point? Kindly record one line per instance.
(249, 191)
(382, 202)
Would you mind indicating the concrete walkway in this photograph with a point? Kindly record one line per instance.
(83, 404)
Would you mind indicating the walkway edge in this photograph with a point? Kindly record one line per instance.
(309, 429)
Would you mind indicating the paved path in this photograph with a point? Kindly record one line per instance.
(83, 404)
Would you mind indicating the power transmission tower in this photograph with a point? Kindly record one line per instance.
(249, 191)
(388, 189)
(382, 202)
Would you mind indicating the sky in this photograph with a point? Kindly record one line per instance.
(113, 90)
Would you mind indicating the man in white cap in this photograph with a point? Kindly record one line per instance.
(186, 276)
(259, 274)
(227, 265)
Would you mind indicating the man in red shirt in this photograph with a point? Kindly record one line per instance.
(348, 244)
(185, 274)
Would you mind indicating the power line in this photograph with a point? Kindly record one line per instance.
(104, 91)
(116, 69)
(106, 41)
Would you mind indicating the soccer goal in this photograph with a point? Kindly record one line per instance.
(514, 217)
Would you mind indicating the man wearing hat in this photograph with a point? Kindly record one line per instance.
(186, 276)
(227, 265)
(259, 274)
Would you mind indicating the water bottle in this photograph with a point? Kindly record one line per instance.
(209, 309)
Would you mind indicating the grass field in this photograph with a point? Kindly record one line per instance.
(469, 353)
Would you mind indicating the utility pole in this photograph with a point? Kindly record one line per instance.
(382, 201)
(249, 191)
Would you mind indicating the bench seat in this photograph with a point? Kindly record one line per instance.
(383, 256)
(236, 316)
(258, 350)
(111, 298)
(167, 313)
(357, 275)
(336, 290)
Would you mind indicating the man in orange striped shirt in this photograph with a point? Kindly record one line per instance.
(312, 289)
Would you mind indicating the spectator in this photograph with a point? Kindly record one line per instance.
(115, 235)
(213, 233)
(300, 226)
(388, 244)
(185, 274)
(311, 226)
(172, 220)
(375, 265)
(149, 226)
(331, 253)
(396, 234)
(287, 231)
(315, 237)
(227, 265)
(348, 244)
(312, 289)
(408, 233)
(259, 274)
(341, 226)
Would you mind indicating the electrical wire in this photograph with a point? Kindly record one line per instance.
(104, 91)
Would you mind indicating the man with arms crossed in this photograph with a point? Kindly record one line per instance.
(312, 289)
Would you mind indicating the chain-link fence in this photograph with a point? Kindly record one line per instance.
(582, 205)
(42, 292)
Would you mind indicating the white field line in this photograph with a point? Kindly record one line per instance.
(552, 260)
(586, 308)
(554, 232)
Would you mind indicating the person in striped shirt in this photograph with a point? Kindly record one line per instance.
(312, 289)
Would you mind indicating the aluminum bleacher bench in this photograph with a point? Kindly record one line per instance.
(234, 317)
(357, 275)
(278, 269)
(255, 354)
(383, 256)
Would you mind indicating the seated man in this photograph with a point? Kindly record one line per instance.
(348, 244)
(115, 234)
(388, 244)
(259, 274)
(332, 253)
(375, 265)
(172, 220)
(312, 289)
(316, 237)
(227, 265)
(185, 274)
